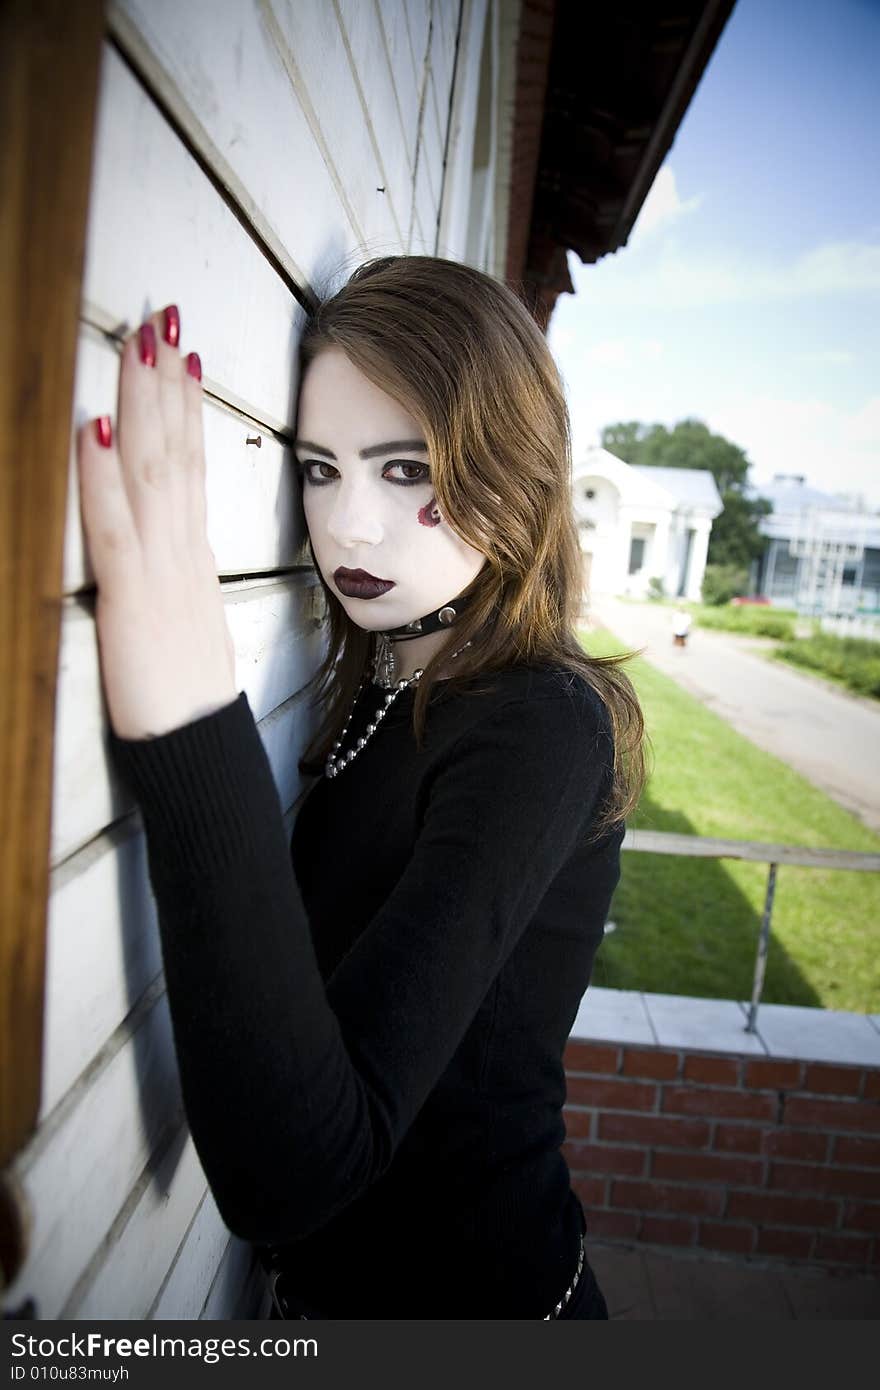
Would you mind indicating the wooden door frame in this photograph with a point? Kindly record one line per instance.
(51, 53)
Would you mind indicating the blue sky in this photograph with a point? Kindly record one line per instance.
(749, 293)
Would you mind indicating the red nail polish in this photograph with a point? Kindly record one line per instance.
(194, 365)
(104, 431)
(147, 334)
(172, 325)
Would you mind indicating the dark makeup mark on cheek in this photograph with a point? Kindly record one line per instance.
(429, 515)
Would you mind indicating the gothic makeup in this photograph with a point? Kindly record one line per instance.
(363, 459)
(429, 515)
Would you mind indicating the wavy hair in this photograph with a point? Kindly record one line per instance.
(462, 355)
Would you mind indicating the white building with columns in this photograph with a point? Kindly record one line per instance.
(637, 522)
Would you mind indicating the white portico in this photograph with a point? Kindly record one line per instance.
(638, 522)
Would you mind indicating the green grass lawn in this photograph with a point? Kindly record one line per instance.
(851, 661)
(690, 926)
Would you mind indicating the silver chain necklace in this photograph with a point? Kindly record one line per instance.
(336, 760)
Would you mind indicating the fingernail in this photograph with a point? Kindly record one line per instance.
(194, 365)
(147, 334)
(172, 325)
(104, 431)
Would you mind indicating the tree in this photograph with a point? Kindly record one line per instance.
(735, 538)
(625, 440)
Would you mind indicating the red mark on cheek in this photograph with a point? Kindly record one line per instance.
(429, 515)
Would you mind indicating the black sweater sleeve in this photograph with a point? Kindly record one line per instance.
(298, 1092)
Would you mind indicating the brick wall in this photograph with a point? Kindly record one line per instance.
(753, 1156)
(532, 64)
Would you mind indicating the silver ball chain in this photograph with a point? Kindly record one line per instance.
(336, 761)
(571, 1288)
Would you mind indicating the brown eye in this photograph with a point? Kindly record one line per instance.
(418, 472)
(306, 471)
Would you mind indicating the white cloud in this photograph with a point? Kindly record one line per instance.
(618, 352)
(864, 427)
(838, 450)
(844, 265)
(662, 206)
(831, 357)
(611, 352)
(561, 338)
(670, 280)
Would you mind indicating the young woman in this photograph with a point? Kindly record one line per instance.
(370, 1022)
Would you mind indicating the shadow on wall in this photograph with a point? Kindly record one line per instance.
(684, 926)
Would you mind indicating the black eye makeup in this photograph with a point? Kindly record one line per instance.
(304, 469)
(414, 473)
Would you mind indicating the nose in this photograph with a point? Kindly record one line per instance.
(353, 519)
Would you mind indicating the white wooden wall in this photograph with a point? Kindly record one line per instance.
(248, 154)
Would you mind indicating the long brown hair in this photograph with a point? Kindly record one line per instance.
(462, 355)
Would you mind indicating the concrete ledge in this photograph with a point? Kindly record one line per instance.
(719, 1025)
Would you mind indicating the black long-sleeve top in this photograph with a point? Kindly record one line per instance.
(369, 1022)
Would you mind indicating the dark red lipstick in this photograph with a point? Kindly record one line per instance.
(360, 584)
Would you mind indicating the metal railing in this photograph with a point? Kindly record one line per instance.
(700, 847)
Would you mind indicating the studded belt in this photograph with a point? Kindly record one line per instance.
(281, 1305)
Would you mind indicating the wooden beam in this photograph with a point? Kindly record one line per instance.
(51, 52)
(703, 847)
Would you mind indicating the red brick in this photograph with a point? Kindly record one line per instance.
(665, 1230)
(774, 1206)
(606, 1158)
(716, 1071)
(865, 1152)
(588, 1056)
(831, 1114)
(738, 1139)
(649, 1062)
(872, 1085)
(622, 1224)
(798, 1143)
(849, 1249)
(833, 1081)
(830, 1180)
(656, 1196)
(591, 1191)
(612, 1095)
(769, 1074)
(571, 1153)
(693, 1167)
(650, 1129)
(719, 1235)
(794, 1244)
(741, 1105)
(857, 1216)
(578, 1123)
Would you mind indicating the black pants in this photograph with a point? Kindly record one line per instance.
(587, 1301)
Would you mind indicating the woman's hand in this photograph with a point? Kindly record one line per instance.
(166, 653)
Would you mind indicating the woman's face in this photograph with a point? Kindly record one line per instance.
(368, 500)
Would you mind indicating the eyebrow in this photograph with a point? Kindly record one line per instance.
(409, 446)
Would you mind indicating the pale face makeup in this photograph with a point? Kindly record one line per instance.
(369, 505)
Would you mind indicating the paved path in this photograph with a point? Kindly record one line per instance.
(830, 736)
(649, 1285)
